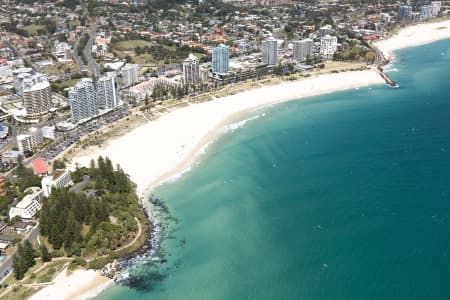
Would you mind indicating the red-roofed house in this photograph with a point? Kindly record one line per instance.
(39, 166)
(371, 37)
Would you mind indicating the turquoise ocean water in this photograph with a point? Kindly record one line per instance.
(342, 196)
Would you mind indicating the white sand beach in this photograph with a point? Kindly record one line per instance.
(81, 284)
(415, 35)
(163, 148)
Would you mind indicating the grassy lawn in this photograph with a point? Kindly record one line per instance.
(48, 272)
(32, 29)
(131, 44)
(19, 292)
(54, 70)
(125, 48)
(139, 59)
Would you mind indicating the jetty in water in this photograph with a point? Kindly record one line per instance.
(382, 61)
(389, 81)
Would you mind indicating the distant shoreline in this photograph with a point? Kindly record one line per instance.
(159, 150)
(414, 35)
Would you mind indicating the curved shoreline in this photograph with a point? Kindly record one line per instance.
(181, 134)
(414, 35)
(199, 141)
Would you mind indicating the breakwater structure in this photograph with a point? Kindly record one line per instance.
(380, 62)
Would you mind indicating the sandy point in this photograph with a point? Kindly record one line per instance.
(415, 35)
(81, 284)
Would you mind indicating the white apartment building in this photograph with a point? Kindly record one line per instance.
(191, 70)
(62, 51)
(29, 205)
(129, 74)
(328, 45)
(59, 179)
(29, 141)
(426, 12)
(435, 7)
(107, 92)
(83, 100)
(36, 93)
(24, 143)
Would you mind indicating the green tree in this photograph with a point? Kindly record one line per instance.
(19, 266)
(45, 254)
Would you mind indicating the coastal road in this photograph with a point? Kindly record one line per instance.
(6, 265)
(77, 58)
(92, 64)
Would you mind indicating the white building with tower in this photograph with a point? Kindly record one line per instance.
(328, 45)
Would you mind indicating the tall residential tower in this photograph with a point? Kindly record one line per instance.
(220, 57)
(269, 51)
(107, 92)
(191, 70)
(83, 100)
(302, 49)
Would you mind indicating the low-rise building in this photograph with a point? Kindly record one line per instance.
(48, 132)
(10, 157)
(146, 88)
(29, 205)
(59, 179)
(24, 143)
(129, 74)
(22, 227)
(39, 166)
(29, 141)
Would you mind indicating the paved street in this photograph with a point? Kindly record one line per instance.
(6, 265)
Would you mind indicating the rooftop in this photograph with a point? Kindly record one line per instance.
(39, 166)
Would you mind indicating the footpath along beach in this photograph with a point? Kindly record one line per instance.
(164, 148)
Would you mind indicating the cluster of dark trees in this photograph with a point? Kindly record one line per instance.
(23, 259)
(176, 92)
(81, 45)
(76, 220)
(58, 164)
(68, 3)
(63, 215)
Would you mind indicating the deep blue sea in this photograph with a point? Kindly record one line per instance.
(342, 196)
